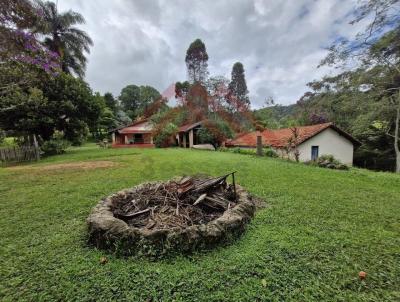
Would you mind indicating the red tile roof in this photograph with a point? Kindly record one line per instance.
(279, 138)
(143, 126)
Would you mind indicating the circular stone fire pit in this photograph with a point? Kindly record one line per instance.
(180, 215)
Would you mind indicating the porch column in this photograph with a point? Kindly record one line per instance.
(126, 139)
(191, 138)
(177, 138)
(184, 139)
(151, 138)
(113, 138)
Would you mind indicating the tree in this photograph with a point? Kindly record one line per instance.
(22, 56)
(62, 103)
(376, 47)
(197, 62)
(147, 97)
(181, 91)
(215, 132)
(110, 101)
(62, 37)
(217, 88)
(135, 100)
(292, 144)
(238, 94)
(129, 99)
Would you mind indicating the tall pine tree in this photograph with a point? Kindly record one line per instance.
(197, 62)
(238, 93)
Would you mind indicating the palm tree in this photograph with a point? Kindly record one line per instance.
(60, 36)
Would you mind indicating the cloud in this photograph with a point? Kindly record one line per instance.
(280, 43)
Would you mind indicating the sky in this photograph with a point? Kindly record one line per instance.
(279, 42)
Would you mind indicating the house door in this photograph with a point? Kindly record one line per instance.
(314, 152)
(138, 138)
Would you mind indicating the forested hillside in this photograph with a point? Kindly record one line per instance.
(363, 99)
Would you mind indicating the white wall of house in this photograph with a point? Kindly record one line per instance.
(329, 142)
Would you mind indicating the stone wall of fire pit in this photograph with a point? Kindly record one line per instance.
(109, 232)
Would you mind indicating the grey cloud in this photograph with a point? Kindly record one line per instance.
(144, 42)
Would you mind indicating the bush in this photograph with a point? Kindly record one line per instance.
(56, 145)
(328, 161)
(164, 137)
(268, 152)
(214, 132)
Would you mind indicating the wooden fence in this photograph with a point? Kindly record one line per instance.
(19, 154)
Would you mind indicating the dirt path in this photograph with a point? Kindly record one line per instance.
(81, 165)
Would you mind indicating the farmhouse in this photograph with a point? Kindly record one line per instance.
(309, 142)
(140, 134)
(137, 134)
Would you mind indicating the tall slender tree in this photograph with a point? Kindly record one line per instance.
(62, 37)
(238, 94)
(197, 62)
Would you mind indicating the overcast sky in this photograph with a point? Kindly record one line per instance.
(280, 42)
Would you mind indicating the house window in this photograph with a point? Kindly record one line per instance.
(314, 152)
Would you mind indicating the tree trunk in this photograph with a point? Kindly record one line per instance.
(396, 135)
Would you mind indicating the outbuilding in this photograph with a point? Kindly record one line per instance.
(309, 142)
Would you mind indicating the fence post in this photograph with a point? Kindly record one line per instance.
(36, 147)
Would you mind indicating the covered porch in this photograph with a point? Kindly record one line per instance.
(138, 134)
(187, 136)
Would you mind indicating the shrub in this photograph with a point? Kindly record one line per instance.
(328, 161)
(164, 136)
(214, 132)
(268, 152)
(56, 145)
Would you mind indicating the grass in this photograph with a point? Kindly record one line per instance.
(320, 229)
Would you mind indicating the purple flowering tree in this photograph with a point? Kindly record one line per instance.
(22, 55)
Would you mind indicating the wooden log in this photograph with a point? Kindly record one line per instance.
(217, 202)
(128, 216)
(200, 199)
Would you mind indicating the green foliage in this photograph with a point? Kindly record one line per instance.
(197, 61)
(182, 89)
(63, 38)
(110, 101)
(165, 137)
(136, 99)
(148, 95)
(238, 88)
(55, 145)
(61, 103)
(320, 228)
(215, 132)
(75, 107)
(277, 116)
(267, 152)
(205, 136)
(328, 161)
(25, 112)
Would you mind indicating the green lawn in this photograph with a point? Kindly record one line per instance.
(320, 229)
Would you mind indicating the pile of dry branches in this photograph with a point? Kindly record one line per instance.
(189, 201)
